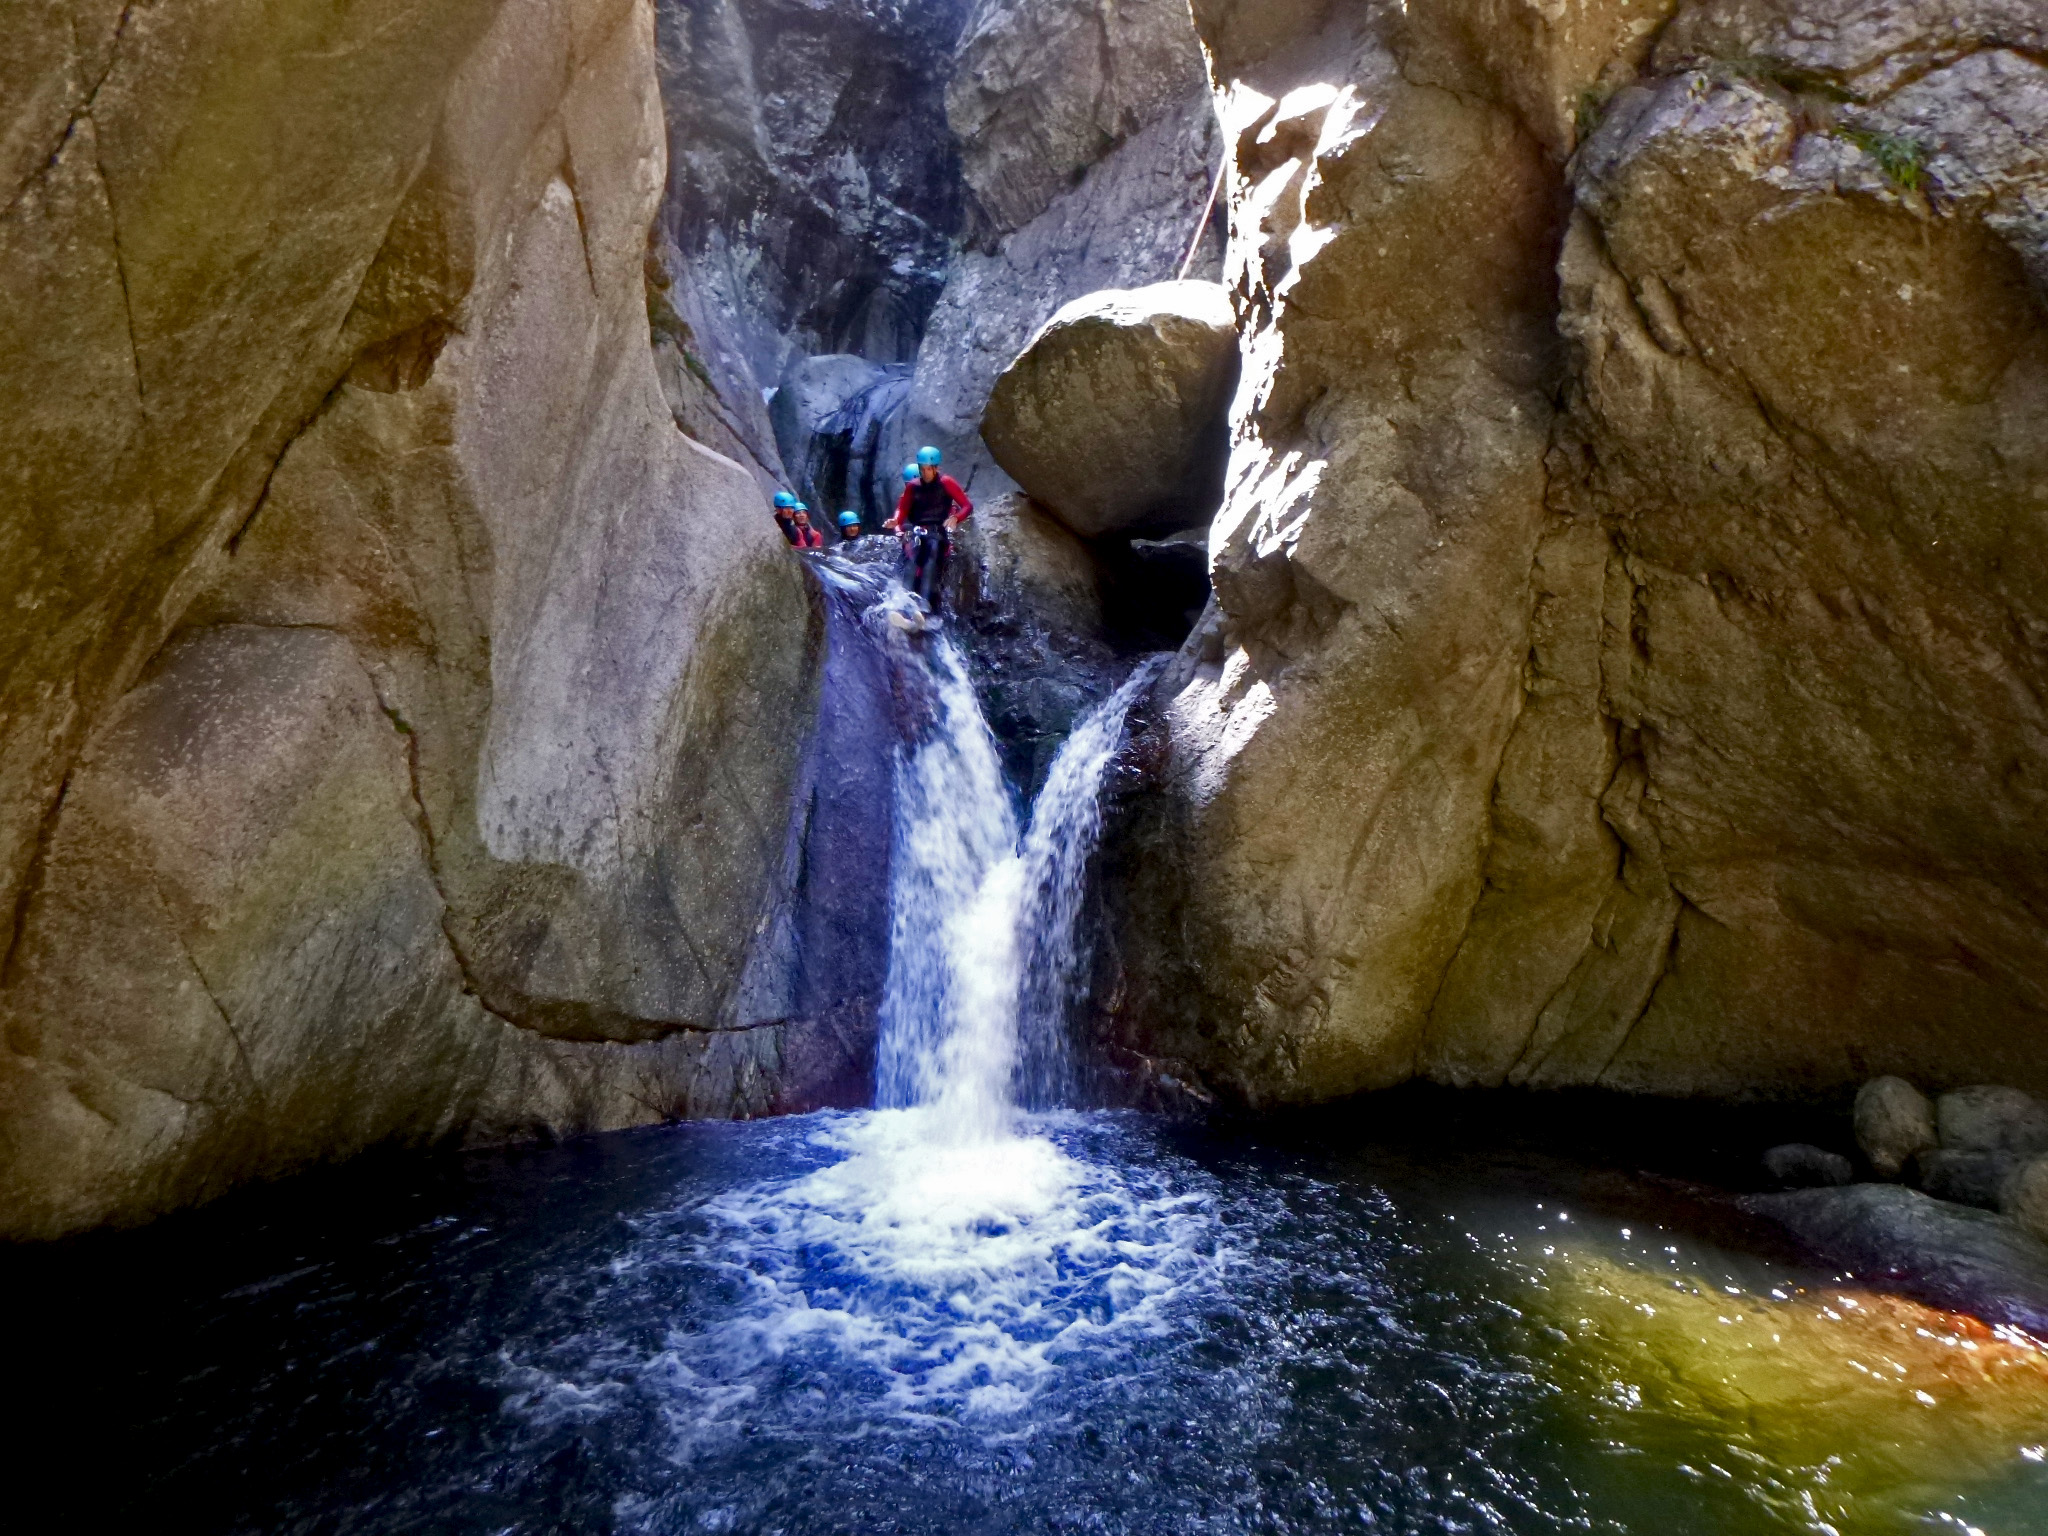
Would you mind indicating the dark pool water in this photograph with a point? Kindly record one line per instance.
(1116, 1324)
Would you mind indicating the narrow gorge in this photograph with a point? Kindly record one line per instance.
(1460, 844)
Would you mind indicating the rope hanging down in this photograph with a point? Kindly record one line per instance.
(1208, 212)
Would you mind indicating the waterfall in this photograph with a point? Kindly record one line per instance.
(986, 958)
(956, 1248)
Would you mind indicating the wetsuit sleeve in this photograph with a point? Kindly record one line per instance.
(903, 505)
(959, 497)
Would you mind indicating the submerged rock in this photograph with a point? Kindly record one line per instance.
(1797, 1165)
(1894, 1120)
(1113, 416)
(1945, 1255)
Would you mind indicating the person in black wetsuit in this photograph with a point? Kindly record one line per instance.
(931, 507)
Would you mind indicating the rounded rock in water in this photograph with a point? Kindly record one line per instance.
(1894, 1120)
(1988, 1118)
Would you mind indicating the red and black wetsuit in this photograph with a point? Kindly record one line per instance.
(787, 523)
(922, 510)
(807, 538)
(928, 503)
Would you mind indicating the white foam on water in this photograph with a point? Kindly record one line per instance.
(955, 1277)
(952, 1259)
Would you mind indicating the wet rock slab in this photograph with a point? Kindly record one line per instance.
(1946, 1255)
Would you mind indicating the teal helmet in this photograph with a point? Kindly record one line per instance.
(849, 519)
(928, 457)
(909, 473)
(803, 506)
(784, 500)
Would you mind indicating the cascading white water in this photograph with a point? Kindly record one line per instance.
(949, 1012)
(953, 1246)
(983, 944)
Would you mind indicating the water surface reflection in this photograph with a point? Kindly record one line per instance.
(1131, 1327)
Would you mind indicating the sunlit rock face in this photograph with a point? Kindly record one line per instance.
(400, 718)
(1114, 416)
(1627, 663)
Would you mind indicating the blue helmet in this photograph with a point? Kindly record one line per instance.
(909, 473)
(849, 519)
(928, 456)
(784, 500)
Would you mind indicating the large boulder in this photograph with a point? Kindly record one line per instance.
(1968, 1178)
(1630, 583)
(426, 701)
(1114, 416)
(1986, 1117)
(1133, 217)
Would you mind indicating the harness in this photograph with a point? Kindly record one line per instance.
(930, 504)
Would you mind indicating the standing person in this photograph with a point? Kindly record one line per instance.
(785, 515)
(931, 507)
(849, 527)
(807, 537)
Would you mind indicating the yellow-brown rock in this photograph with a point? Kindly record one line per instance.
(1628, 665)
(390, 687)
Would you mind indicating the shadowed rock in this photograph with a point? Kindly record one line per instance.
(1894, 1121)
(1990, 1118)
(1799, 1166)
(1897, 1239)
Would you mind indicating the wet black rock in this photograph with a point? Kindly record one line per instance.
(829, 415)
(1943, 1254)
(1989, 1118)
(1969, 1178)
(1798, 1165)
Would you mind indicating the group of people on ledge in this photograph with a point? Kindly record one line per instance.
(931, 507)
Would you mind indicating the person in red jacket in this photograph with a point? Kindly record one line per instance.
(806, 537)
(931, 507)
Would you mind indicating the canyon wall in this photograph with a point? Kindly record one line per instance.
(814, 201)
(1088, 138)
(400, 708)
(1630, 642)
